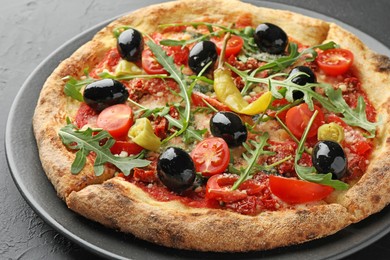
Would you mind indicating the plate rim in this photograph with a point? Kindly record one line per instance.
(36, 206)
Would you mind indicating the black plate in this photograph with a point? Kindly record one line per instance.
(23, 160)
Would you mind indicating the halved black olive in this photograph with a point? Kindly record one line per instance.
(130, 45)
(104, 93)
(329, 156)
(270, 38)
(302, 79)
(229, 127)
(201, 54)
(176, 169)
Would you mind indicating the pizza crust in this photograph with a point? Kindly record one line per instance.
(372, 192)
(119, 204)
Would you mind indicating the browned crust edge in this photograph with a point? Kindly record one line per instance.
(121, 205)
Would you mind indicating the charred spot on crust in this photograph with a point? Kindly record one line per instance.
(383, 63)
(375, 199)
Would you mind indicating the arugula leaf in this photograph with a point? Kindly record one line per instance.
(74, 86)
(353, 117)
(85, 142)
(310, 173)
(333, 101)
(168, 64)
(252, 157)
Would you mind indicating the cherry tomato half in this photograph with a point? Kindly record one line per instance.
(335, 61)
(211, 156)
(150, 64)
(125, 146)
(299, 116)
(233, 46)
(295, 191)
(198, 99)
(116, 119)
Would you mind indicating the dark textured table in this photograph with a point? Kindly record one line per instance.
(30, 30)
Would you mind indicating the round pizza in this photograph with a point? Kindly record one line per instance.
(219, 126)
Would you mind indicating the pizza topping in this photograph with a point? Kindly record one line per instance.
(331, 132)
(329, 156)
(229, 127)
(130, 44)
(116, 119)
(176, 169)
(142, 134)
(99, 142)
(104, 93)
(128, 147)
(202, 54)
(309, 173)
(125, 67)
(295, 191)
(335, 61)
(297, 119)
(211, 156)
(219, 188)
(270, 38)
(302, 79)
(233, 46)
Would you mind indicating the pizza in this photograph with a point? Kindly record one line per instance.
(219, 126)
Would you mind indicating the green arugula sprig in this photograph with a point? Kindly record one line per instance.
(333, 101)
(310, 173)
(84, 141)
(73, 87)
(252, 156)
(168, 64)
(284, 62)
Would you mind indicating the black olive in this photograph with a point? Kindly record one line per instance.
(201, 54)
(270, 38)
(302, 79)
(130, 45)
(104, 93)
(176, 169)
(329, 156)
(229, 127)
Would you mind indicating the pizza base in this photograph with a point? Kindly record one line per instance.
(119, 204)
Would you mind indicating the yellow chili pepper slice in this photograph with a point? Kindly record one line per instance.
(226, 90)
(142, 134)
(259, 105)
(228, 93)
(127, 68)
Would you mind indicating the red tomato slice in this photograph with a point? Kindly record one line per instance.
(297, 191)
(211, 156)
(233, 46)
(198, 99)
(125, 146)
(218, 187)
(150, 64)
(116, 119)
(335, 61)
(299, 116)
